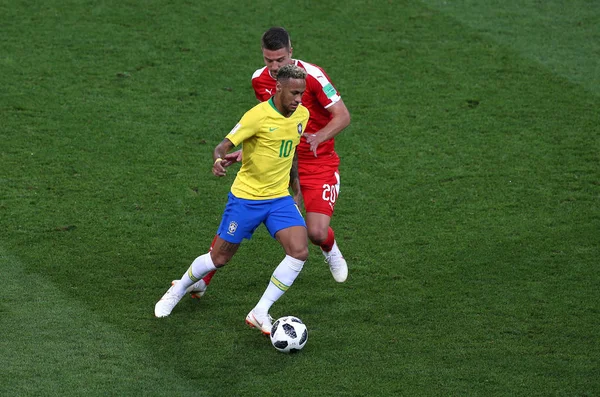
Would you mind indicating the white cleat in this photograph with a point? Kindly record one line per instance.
(165, 305)
(337, 263)
(263, 323)
(196, 290)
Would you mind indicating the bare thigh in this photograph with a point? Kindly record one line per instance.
(294, 241)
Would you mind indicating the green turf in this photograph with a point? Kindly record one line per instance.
(469, 209)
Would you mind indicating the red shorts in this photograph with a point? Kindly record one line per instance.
(320, 185)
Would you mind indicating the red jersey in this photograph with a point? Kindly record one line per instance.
(319, 95)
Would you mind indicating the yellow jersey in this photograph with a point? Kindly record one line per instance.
(269, 143)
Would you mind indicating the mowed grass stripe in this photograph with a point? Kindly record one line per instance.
(560, 35)
(489, 181)
(53, 345)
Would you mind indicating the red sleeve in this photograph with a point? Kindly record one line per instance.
(320, 94)
(263, 85)
(254, 86)
(320, 86)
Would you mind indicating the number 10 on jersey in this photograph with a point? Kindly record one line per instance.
(286, 148)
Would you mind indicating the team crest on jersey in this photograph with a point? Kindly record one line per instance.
(232, 228)
(300, 128)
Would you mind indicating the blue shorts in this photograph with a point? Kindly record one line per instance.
(241, 217)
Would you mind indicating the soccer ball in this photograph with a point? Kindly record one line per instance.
(289, 334)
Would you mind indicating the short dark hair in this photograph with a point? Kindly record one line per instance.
(275, 39)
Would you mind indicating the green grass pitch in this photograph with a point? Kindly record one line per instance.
(469, 210)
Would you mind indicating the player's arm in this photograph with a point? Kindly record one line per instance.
(295, 181)
(236, 156)
(339, 121)
(219, 161)
(244, 129)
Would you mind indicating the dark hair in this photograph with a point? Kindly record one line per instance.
(276, 38)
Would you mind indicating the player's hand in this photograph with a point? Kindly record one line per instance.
(218, 169)
(313, 140)
(232, 158)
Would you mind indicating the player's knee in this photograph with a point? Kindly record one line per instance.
(220, 259)
(299, 252)
(317, 236)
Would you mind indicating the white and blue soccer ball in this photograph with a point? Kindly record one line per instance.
(289, 334)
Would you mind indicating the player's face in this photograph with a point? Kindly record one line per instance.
(290, 93)
(276, 59)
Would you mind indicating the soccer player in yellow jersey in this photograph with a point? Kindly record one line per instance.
(270, 133)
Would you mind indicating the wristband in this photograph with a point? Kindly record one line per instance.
(218, 160)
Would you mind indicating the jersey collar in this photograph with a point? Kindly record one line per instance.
(273, 105)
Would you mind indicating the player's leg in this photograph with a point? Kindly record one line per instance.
(319, 201)
(295, 244)
(202, 265)
(319, 231)
(217, 257)
(198, 289)
(322, 234)
(288, 227)
(237, 223)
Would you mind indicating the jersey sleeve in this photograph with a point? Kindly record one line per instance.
(320, 85)
(263, 84)
(247, 127)
(324, 91)
(256, 89)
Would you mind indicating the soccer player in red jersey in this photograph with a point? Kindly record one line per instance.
(317, 160)
(319, 179)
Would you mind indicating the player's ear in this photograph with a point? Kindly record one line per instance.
(278, 86)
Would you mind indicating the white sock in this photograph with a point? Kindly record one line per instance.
(282, 279)
(199, 268)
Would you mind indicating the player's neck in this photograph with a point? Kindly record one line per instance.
(277, 105)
